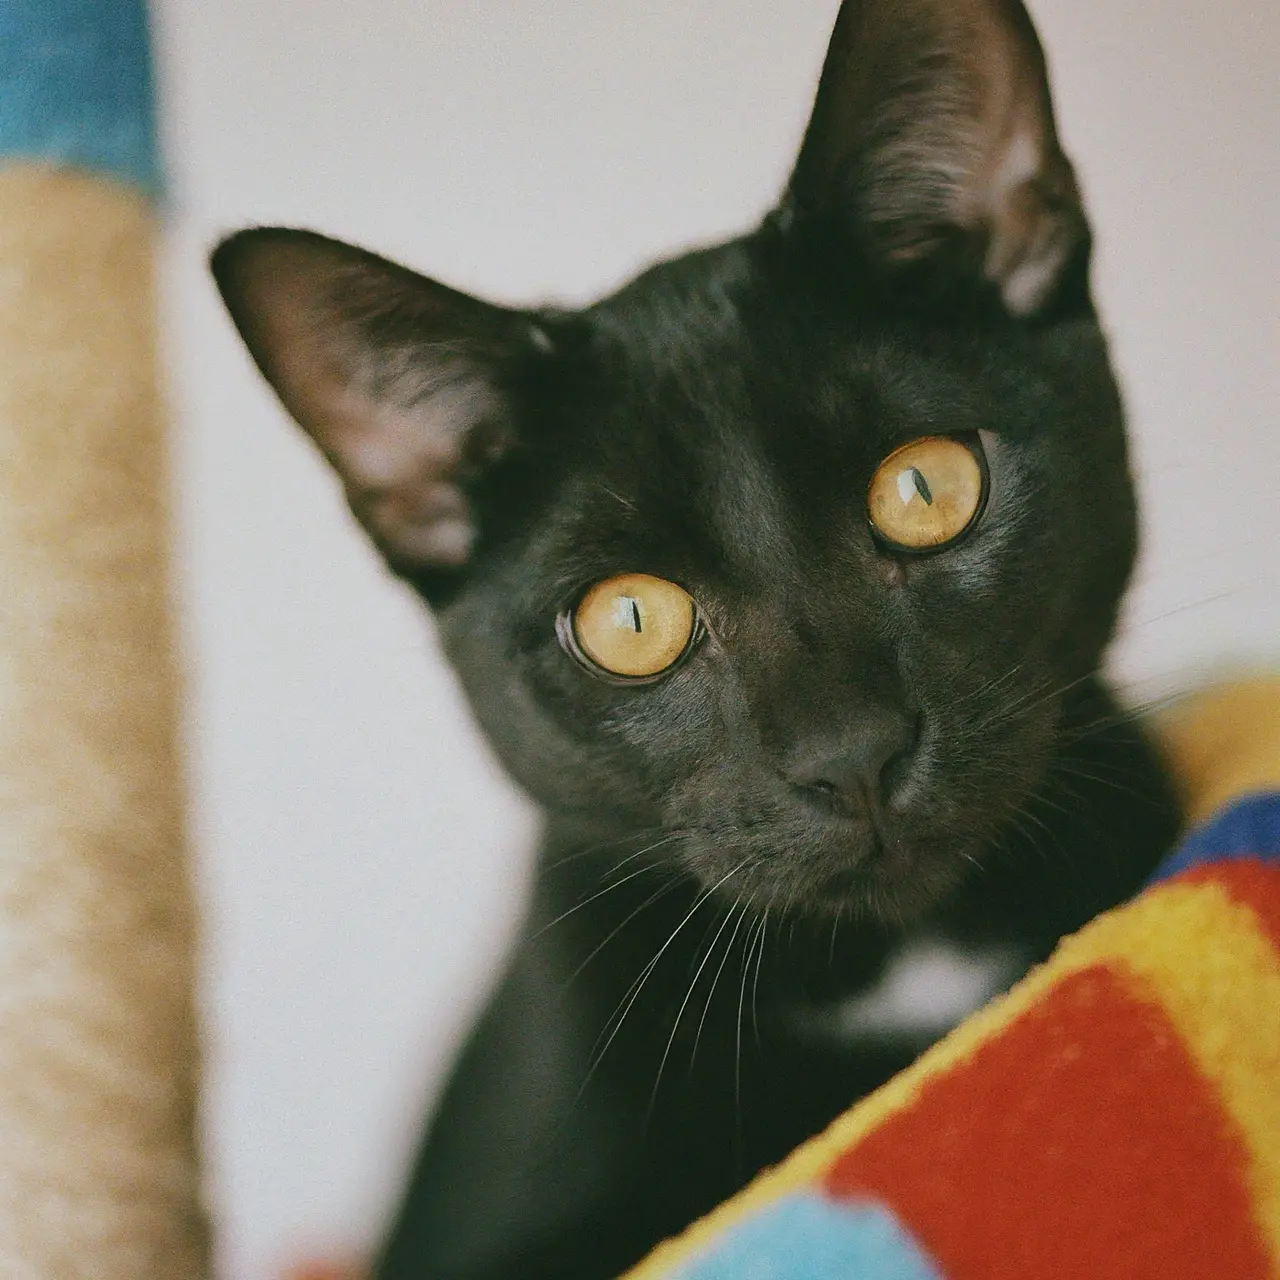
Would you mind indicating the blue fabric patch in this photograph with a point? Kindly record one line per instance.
(808, 1237)
(1250, 828)
(76, 86)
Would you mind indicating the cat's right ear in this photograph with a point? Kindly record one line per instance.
(395, 377)
(933, 144)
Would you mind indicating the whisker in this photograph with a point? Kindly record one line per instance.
(752, 939)
(593, 849)
(1127, 628)
(618, 928)
(1066, 769)
(613, 884)
(1073, 733)
(586, 902)
(743, 908)
(989, 687)
(684, 1004)
(633, 992)
(1036, 698)
(755, 986)
(605, 845)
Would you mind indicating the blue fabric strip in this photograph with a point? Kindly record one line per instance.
(1249, 828)
(806, 1236)
(76, 87)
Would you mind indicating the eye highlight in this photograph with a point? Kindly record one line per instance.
(926, 494)
(631, 627)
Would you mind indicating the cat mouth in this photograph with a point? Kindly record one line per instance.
(883, 871)
(888, 877)
(870, 861)
(864, 870)
(839, 889)
(890, 881)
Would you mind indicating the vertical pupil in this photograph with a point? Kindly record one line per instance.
(635, 614)
(921, 485)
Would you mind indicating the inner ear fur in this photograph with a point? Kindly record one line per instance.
(397, 378)
(933, 130)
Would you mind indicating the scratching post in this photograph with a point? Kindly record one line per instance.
(98, 1174)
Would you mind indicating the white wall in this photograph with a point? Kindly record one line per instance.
(359, 854)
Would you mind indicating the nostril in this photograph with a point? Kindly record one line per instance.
(865, 766)
(895, 769)
(827, 793)
(829, 796)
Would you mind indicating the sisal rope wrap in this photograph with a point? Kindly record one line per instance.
(98, 1061)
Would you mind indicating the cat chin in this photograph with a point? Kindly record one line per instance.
(888, 885)
(895, 890)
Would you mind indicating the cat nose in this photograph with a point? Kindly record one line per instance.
(863, 764)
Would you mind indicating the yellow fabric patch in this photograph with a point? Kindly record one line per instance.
(1224, 744)
(1202, 958)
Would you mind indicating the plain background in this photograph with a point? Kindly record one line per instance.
(360, 859)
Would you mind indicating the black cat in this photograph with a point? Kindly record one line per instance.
(781, 580)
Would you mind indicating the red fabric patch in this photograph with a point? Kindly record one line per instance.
(1249, 881)
(1080, 1142)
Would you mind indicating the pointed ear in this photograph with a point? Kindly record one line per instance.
(395, 377)
(933, 136)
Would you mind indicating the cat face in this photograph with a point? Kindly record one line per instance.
(694, 576)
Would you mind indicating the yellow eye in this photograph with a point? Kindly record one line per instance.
(634, 625)
(927, 493)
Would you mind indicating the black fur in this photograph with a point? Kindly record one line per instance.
(717, 422)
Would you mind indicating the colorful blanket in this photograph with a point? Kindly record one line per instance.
(1116, 1115)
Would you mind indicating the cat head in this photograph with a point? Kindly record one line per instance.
(786, 551)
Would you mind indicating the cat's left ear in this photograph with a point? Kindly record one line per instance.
(932, 140)
(396, 377)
